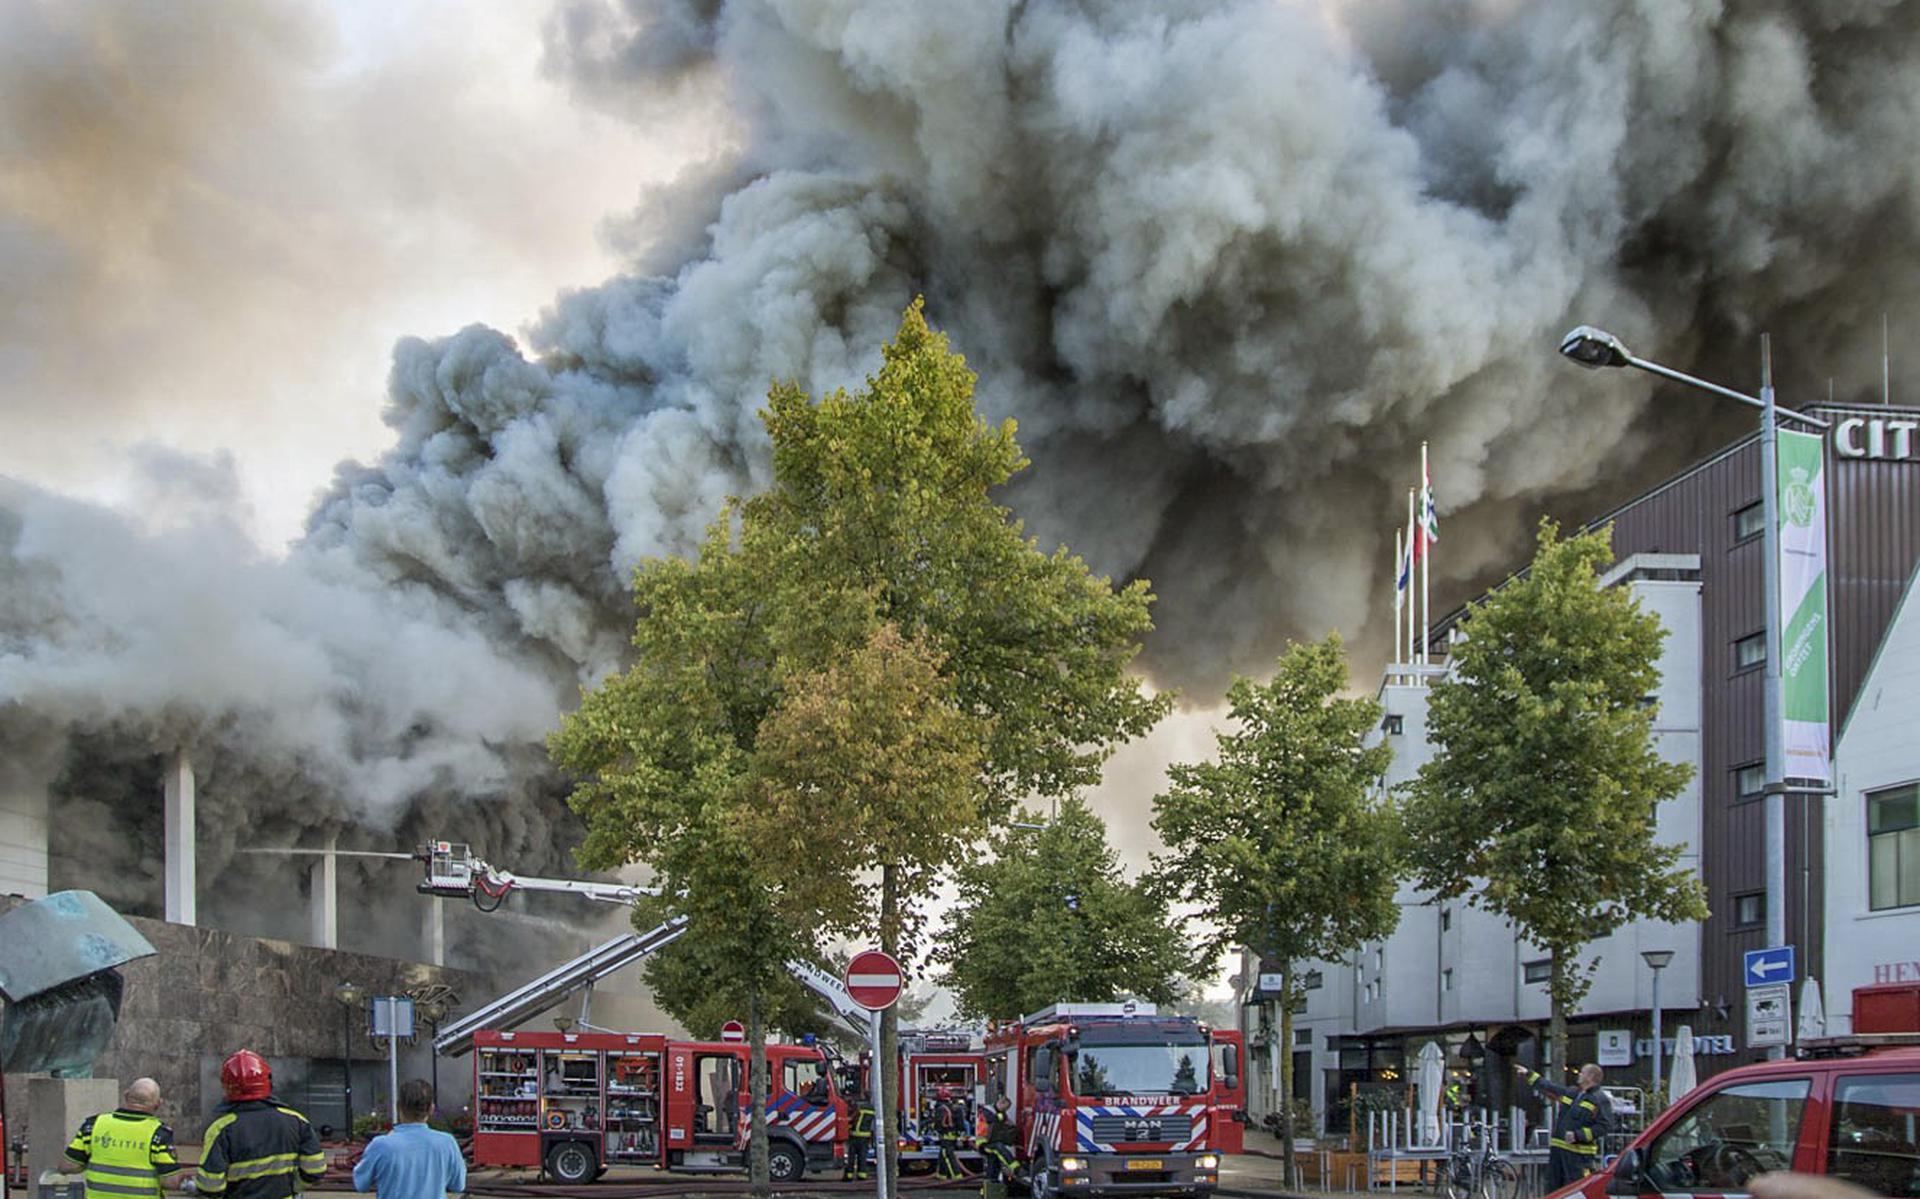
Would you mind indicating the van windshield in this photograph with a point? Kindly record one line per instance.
(1141, 1069)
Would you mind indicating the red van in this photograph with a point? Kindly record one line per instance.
(1846, 1106)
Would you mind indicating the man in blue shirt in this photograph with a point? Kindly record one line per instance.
(413, 1161)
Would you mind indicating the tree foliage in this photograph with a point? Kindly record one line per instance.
(1051, 917)
(858, 670)
(1287, 842)
(1540, 804)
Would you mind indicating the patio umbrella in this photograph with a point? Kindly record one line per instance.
(1683, 1077)
(1432, 1078)
(1813, 1015)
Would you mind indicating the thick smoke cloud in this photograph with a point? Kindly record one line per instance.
(1228, 263)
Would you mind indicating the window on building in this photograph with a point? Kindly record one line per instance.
(1312, 980)
(1393, 724)
(1749, 781)
(1446, 980)
(1446, 919)
(1750, 910)
(1539, 971)
(1379, 959)
(1893, 847)
(1749, 521)
(1303, 1038)
(1750, 652)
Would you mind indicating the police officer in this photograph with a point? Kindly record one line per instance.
(997, 1147)
(860, 1141)
(127, 1151)
(257, 1147)
(1582, 1115)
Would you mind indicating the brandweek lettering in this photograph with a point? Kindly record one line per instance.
(1875, 438)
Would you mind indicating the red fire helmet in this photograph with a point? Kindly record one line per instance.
(246, 1076)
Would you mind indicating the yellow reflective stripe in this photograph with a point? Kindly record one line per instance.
(311, 1162)
(277, 1163)
(123, 1171)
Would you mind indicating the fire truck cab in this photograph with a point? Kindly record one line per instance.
(577, 1103)
(1114, 1099)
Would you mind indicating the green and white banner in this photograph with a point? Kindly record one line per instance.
(1803, 605)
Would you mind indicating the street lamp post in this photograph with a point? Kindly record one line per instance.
(349, 997)
(1656, 960)
(1595, 348)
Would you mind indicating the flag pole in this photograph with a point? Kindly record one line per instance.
(1410, 568)
(1426, 556)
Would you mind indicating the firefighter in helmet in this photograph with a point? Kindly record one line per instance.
(949, 1126)
(257, 1147)
(997, 1143)
(860, 1141)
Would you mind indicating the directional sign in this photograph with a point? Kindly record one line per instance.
(734, 1031)
(1768, 966)
(873, 980)
(1769, 1015)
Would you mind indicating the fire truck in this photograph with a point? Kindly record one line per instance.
(1115, 1099)
(935, 1065)
(577, 1103)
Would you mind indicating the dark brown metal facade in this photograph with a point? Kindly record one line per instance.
(1873, 543)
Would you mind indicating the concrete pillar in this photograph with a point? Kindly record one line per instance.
(178, 841)
(55, 1107)
(323, 898)
(433, 933)
(23, 837)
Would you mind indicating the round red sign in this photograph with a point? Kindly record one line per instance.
(873, 980)
(733, 1030)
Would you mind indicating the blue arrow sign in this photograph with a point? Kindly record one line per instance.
(1773, 965)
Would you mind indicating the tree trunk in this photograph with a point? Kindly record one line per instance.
(1557, 1023)
(1289, 1169)
(758, 1174)
(886, 1081)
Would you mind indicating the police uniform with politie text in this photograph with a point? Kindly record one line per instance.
(1582, 1115)
(257, 1147)
(126, 1152)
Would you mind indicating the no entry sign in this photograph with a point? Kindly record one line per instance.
(873, 980)
(733, 1030)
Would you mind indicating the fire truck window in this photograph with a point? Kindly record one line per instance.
(996, 1078)
(1876, 1119)
(1729, 1137)
(1141, 1069)
(717, 1111)
(806, 1078)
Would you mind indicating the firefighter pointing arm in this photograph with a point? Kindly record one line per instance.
(1581, 1115)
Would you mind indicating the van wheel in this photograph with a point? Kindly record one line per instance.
(784, 1162)
(571, 1163)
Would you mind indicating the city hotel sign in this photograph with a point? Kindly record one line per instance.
(1878, 438)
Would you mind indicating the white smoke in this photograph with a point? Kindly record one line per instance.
(1228, 262)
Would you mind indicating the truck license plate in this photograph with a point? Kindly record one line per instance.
(1147, 1164)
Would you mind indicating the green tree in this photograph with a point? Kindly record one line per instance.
(1050, 917)
(707, 757)
(1287, 842)
(1540, 804)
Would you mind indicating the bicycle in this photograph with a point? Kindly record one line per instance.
(1475, 1171)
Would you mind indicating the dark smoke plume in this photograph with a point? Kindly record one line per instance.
(1227, 262)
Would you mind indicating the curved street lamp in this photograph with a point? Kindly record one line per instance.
(1595, 348)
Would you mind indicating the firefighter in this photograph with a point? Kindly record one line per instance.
(126, 1151)
(257, 1147)
(996, 1147)
(948, 1128)
(860, 1141)
(1583, 1116)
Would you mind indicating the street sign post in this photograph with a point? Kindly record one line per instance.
(392, 1018)
(733, 1032)
(874, 981)
(1766, 967)
(1769, 1015)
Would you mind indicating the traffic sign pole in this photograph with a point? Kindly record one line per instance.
(880, 1133)
(874, 981)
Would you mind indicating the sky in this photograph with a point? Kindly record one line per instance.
(222, 217)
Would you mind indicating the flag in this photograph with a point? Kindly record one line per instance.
(1406, 577)
(1429, 517)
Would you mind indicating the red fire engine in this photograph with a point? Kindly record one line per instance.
(1115, 1099)
(932, 1066)
(579, 1102)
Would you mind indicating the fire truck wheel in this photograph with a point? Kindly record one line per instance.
(1041, 1186)
(784, 1162)
(571, 1163)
